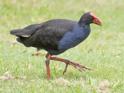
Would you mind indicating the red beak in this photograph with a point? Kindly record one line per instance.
(96, 20)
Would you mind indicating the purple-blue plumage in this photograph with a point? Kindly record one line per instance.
(74, 37)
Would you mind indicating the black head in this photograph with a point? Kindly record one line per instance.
(89, 18)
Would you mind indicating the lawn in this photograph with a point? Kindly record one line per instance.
(103, 51)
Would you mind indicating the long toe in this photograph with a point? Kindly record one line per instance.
(79, 66)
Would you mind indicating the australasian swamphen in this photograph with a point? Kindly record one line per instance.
(56, 36)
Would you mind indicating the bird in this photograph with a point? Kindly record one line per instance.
(56, 36)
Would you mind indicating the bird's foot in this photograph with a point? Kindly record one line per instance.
(68, 62)
(37, 54)
(76, 65)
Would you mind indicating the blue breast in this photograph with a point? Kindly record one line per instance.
(73, 38)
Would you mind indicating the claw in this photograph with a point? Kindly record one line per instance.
(79, 67)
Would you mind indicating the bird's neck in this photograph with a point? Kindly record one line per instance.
(82, 30)
(84, 27)
(83, 24)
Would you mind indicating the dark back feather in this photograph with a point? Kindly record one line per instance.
(50, 33)
(45, 35)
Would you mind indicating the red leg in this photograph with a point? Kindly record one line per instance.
(47, 66)
(68, 62)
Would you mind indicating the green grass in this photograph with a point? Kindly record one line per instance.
(103, 50)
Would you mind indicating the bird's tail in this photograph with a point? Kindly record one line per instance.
(21, 36)
(15, 32)
(20, 33)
